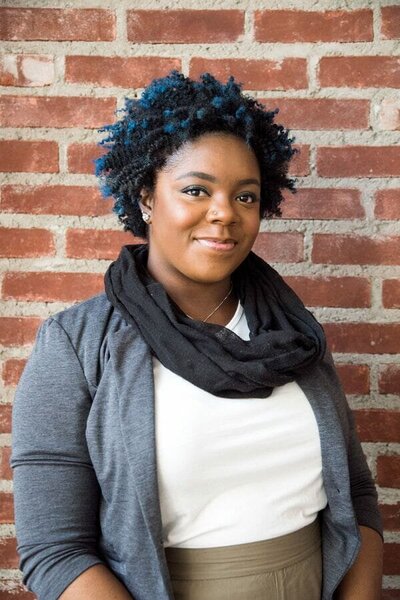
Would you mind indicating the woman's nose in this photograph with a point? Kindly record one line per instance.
(222, 210)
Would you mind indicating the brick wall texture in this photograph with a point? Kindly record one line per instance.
(331, 67)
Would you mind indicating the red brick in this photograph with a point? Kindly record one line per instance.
(320, 113)
(388, 471)
(391, 293)
(323, 203)
(24, 156)
(359, 71)
(390, 594)
(8, 553)
(56, 111)
(389, 379)
(20, 70)
(90, 25)
(6, 507)
(184, 26)
(390, 29)
(12, 370)
(18, 331)
(54, 200)
(284, 74)
(117, 71)
(299, 166)
(5, 468)
(358, 161)
(377, 425)
(280, 247)
(5, 418)
(51, 287)
(92, 243)
(80, 157)
(331, 248)
(387, 204)
(391, 516)
(349, 292)
(368, 338)
(14, 590)
(391, 559)
(312, 26)
(354, 378)
(24, 243)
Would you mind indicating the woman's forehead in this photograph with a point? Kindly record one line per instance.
(218, 148)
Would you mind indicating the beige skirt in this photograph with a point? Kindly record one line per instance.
(284, 568)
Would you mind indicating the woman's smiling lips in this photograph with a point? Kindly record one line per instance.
(217, 244)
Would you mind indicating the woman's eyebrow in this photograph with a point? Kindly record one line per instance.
(213, 179)
(198, 174)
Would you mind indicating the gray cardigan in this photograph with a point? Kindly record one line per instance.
(84, 459)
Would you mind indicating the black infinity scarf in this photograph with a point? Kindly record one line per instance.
(285, 338)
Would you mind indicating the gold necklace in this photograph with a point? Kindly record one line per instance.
(216, 308)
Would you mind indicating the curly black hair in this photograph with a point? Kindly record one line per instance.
(173, 110)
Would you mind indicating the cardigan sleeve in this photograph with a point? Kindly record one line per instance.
(363, 490)
(56, 493)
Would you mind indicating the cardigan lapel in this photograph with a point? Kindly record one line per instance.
(322, 392)
(133, 371)
(341, 540)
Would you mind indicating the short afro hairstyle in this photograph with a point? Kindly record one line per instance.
(173, 110)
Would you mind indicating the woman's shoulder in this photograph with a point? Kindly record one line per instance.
(88, 329)
(93, 318)
(90, 321)
(87, 320)
(90, 311)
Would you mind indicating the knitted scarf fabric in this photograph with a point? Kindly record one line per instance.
(285, 338)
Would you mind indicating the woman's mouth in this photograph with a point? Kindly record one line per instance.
(217, 244)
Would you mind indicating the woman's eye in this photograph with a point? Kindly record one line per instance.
(247, 198)
(193, 191)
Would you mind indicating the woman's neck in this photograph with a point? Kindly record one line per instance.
(223, 315)
(211, 302)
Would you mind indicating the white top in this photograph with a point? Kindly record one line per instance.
(233, 471)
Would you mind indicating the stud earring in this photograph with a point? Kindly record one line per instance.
(146, 217)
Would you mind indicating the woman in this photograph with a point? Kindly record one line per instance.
(184, 435)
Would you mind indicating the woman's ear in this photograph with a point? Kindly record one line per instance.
(146, 205)
(146, 201)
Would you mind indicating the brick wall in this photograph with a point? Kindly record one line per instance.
(333, 72)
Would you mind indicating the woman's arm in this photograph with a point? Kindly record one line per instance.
(96, 583)
(364, 580)
(56, 492)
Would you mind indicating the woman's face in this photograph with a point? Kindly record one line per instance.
(205, 210)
